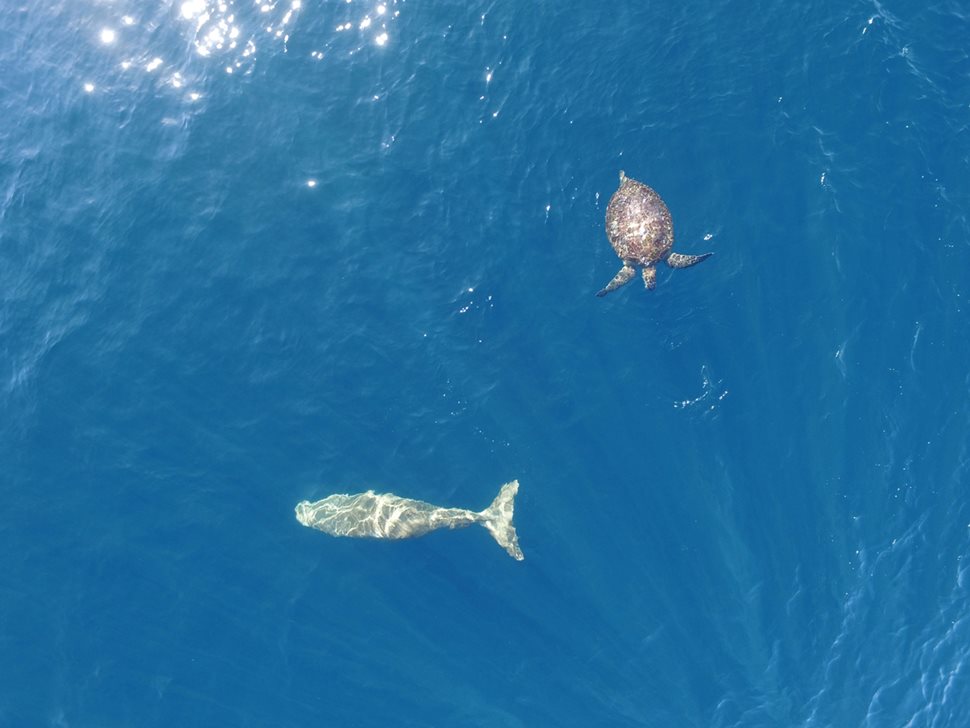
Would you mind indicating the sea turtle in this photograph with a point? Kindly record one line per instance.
(641, 232)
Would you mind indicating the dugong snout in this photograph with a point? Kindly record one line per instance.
(303, 512)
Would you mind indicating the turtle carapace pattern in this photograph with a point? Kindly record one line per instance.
(641, 232)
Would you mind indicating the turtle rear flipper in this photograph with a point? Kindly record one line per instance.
(621, 278)
(676, 260)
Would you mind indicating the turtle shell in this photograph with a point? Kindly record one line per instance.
(638, 224)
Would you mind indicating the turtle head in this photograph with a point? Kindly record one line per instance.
(622, 176)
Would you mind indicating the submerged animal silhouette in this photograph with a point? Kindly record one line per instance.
(641, 232)
(385, 515)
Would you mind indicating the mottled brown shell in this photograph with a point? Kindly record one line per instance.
(638, 223)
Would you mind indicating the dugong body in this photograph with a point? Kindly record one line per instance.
(385, 515)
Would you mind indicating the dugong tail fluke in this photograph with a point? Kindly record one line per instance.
(385, 515)
(498, 520)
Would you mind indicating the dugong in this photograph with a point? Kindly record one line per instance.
(385, 515)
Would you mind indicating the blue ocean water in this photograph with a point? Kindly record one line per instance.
(257, 253)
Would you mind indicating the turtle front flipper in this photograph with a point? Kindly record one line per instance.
(676, 260)
(621, 278)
